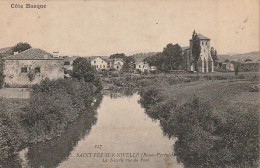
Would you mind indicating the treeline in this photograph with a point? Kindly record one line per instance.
(205, 138)
(52, 106)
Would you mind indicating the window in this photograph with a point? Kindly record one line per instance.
(37, 70)
(206, 43)
(204, 50)
(202, 43)
(94, 62)
(139, 66)
(104, 66)
(102, 61)
(24, 70)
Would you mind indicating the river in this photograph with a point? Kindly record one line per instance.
(121, 128)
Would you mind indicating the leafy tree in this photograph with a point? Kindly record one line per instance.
(122, 55)
(173, 55)
(1, 72)
(213, 54)
(157, 60)
(248, 60)
(82, 70)
(20, 47)
(128, 64)
(196, 49)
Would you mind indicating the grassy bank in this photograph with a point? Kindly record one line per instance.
(52, 106)
(215, 122)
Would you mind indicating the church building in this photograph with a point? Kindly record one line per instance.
(205, 61)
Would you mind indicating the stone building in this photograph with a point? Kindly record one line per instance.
(30, 67)
(205, 61)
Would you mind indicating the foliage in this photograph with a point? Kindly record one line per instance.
(248, 60)
(82, 70)
(173, 56)
(10, 136)
(236, 70)
(226, 60)
(196, 49)
(55, 104)
(1, 72)
(122, 55)
(20, 47)
(205, 138)
(128, 64)
(213, 54)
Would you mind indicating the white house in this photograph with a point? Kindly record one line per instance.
(118, 64)
(99, 63)
(142, 66)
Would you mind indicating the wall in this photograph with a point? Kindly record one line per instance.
(52, 69)
(142, 66)
(99, 64)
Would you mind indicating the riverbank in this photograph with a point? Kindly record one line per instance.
(215, 122)
(52, 106)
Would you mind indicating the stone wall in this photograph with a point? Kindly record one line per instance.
(17, 72)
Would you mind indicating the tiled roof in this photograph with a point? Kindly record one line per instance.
(32, 54)
(201, 37)
(95, 57)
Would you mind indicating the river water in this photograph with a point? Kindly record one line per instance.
(130, 137)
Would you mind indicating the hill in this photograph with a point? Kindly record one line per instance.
(141, 56)
(240, 57)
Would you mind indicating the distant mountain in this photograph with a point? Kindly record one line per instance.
(240, 57)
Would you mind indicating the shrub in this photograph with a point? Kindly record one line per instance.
(1, 72)
(54, 104)
(10, 136)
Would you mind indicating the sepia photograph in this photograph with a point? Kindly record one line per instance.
(129, 84)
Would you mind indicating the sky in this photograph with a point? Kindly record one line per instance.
(102, 28)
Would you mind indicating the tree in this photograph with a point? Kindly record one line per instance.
(213, 54)
(20, 47)
(196, 49)
(128, 64)
(226, 60)
(157, 60)
(248, 60)
(122, 55)
(82, 70)
(173, 55)
(1, 72)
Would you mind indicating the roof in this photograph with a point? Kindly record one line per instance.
(95, 57)
(32, 54)
(201, 37)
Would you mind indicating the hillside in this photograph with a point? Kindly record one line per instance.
(141, 56)
(240, 57)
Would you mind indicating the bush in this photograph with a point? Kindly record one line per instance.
(55, 104)
(10, 136)
(1, 72)
(205, 139)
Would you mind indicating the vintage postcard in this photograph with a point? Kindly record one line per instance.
(129, 84)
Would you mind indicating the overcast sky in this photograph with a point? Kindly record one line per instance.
(90, 28)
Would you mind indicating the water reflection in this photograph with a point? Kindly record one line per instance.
(126, 92)
(51, 153)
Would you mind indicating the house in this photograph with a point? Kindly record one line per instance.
(118, 63)
(142, 65)
(99, 63)
(228, 66)
(68, 62)
(250, 66)
(205, 61)
(30, 67)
